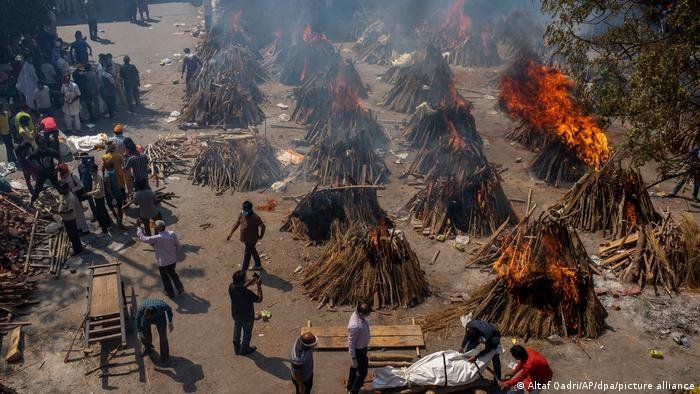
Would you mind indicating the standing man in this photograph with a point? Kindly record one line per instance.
(143, 9)
(165, 243)
(98, 195)
(303, 362)
(117, 161)
(113, 193)
(242, 310)
(71, 104)
(693, 172)
(75, 185)
(358, 340)
(137, 165)
(46, 160)
(80, 49)
(66, 209)
(91, 16)
(532, 370)
(27, 132)
(190, 64)
(480, 331)
(132, 82)
(42, 99)
(91, 93)
(154, 311)
(147, 201)
(5, 133)
(252, 230)
(118, 139)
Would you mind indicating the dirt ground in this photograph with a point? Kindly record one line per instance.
(201, 348)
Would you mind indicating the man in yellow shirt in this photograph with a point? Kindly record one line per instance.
(5, 133)
(118, 161)
(24, 113)
(26, 132)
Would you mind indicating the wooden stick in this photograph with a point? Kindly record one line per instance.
(31, 242)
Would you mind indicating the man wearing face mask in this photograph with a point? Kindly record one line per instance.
(303, 362)
(252, 230)
(358, 340)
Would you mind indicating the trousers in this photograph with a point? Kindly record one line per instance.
(102, 215)
(170, 278)
(242, 345)
(356, 377)
(41, 178)
(147, 340)
(73, 236)
(72, 122)
(250, 251)
(307, 385)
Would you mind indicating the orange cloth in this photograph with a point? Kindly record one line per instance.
(118, 162)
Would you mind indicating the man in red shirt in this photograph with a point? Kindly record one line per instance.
(532, 370)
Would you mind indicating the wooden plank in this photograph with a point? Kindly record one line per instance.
(105, 321)
(14, 353)
(105, 293)
(375, 342)
(105, 338)
(341, 331)
(632, 238)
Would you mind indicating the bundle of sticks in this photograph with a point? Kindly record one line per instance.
(429, 80)
(314, 98)
(346, 118)
(544, 284)
(470, 202)
(307, 57)
(557, 164)
(224, 91)
(477, 50)
(529, 137)
(313, 217)
(374, 45)
(666, 255)
(16, 290)
(241, 164)
(277, 50)
(220, 37)
(362, 264)
(167, 156)
(613, 199)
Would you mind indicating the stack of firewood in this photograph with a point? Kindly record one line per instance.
(666, 255)
(612, 199)
(241, 164)
(315, 96)
(470, 202)
(477, 50)
(167, 156)
(372, 264)
(429, 80)
(314, 216)
(224, 90)
(544, 285)
(310, 54)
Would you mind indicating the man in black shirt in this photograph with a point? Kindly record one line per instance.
(132, 82)
(478, 331)
(242, 310)
(46, 159)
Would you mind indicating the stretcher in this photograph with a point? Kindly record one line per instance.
(107, 311)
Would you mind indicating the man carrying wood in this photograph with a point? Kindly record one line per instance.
(303, 362)
(154, 311)
(252, 230)
(165, 243)
(478, 331)
(358, 340)
(242, 310)
(531, 373)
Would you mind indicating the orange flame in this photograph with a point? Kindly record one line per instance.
(454, 139)
(630, 213)
(270, 205)
(456, 23)
(345, 99)
(310, 36)
(544, 100)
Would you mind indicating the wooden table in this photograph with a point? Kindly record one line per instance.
(106, 311)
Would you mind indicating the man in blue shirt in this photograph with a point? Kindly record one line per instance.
(80, 49)
(154, 311)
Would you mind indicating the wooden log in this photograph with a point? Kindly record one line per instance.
(14, 351)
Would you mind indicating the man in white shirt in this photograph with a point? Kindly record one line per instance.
(71, 104)
(42, 99)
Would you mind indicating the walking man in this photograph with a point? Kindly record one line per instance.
(66, 209)
(46, 160)
(532, 370)
(147, 201)
(91, 17)
(132, 82)
(154, 312)
(75, 185)
(137, 165)
(190, 64)
(165, 243)
(98, 195)
(358, 340)
(252, 230)
(242, 310)
(71, 104)
(303, 362)
(478, 331)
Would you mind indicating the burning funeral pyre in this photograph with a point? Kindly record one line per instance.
(382, 41)
(306, 57)
(467, 45)
(463, 193)
(240, 163)
(344, 143)
(666, 255)
(552, 121)
(366, 263)
(544, 285)
(314, 216)
(224, 90)
(427, 80)
(612, 198)
(315, 96)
